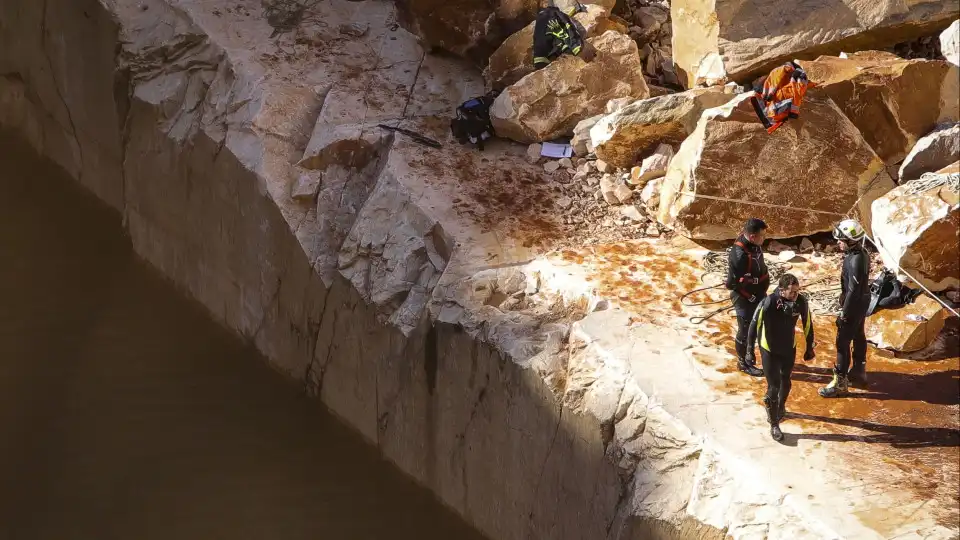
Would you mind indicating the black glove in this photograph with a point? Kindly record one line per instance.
(809, 355)
(750, 359)
(841, 321)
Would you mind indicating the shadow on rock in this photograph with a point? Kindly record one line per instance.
(895, 436)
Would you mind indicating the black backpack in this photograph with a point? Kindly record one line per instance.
(472, 124)
(886, 292)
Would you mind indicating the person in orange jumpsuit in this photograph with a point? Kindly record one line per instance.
(781, 95)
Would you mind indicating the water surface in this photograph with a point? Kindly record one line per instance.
(127, 414)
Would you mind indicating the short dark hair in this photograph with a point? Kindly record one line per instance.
(754, 225)
(787, 281)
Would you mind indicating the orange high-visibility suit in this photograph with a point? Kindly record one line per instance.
(782, 94)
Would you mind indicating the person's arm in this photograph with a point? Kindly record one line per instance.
(806, 318)
(855, 270)
(756, 327)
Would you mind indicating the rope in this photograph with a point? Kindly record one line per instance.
(756, 203)
(710, 303)
(715, 262)
(700, 319)
(824, 301)
(900, 270)
(929, 181)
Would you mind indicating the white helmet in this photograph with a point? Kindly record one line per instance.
(849, 230)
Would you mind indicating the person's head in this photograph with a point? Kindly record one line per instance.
(755, 230)
(849, 234)
(789, 287)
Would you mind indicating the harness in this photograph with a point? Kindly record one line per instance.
(764, 277)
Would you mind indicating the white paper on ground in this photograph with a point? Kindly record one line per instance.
(556, 150)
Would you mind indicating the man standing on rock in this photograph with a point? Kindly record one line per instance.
(855, 299)
(748, 282)
(773, 325)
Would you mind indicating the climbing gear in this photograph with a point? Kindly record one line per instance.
(715, 262)
(472, 124)
(751, 287)
(838, 386)
(774, 419)
(555, 34)
(858, 375)
(886, 292)
(427, 141)
(781, 95)
(849, 230)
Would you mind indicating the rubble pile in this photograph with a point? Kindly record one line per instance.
(923, 48)
(601, 203)
(652, 29)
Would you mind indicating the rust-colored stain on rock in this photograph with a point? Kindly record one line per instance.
(908, 418)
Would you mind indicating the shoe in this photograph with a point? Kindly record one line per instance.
(837, 387)
(858, 376)
(749, 369)
(772, 412)
(782, 412)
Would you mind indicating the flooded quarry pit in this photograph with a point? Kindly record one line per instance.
(277, 319)
(125, 412)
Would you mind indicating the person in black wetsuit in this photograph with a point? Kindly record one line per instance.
(855, 299)
(773, 325)
(748, 282)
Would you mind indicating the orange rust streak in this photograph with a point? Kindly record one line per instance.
(909, 417)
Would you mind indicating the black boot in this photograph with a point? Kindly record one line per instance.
(837, 387)
(858, 375)
(782, 411)
(772, 412)
(750, 369)
(748, 366)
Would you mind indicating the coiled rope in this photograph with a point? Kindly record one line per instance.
(715, 262)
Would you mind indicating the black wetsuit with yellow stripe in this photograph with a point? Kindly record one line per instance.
(554, 34)
(773, 327)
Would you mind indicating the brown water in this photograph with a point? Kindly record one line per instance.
(125, 413)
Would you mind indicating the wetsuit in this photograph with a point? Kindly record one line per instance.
(554, 34)
(748, 282)
(855, 299)
(773, 326)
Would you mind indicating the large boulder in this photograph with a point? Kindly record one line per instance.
(513, 60)
(567, 4)
(742, 40)
(919, 232)
(893, 101)
(800, 180)
(950, 43)
(908, 329)
(621, 137)
(549, 103)
(466, 28)
(933, 152)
